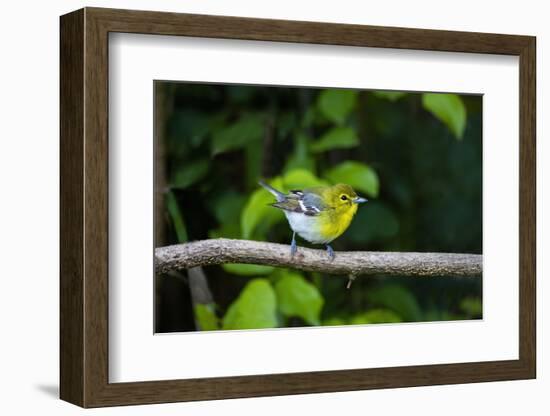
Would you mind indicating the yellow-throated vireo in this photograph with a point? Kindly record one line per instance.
(318, 215)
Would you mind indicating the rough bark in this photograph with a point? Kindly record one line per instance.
(355, 263)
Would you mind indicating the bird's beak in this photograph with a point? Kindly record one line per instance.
(360, 200)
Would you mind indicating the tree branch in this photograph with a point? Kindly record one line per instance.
(350, 263)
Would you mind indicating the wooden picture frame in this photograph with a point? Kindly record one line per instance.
(84, 207)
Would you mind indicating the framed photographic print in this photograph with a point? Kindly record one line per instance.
(255, 207)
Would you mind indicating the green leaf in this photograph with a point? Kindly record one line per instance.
(374, 221)
(376, 316)
(448, 108)
(359, 176)
(334, 322)
(431, 315)
(189, 173)
(336, 138)
(247, 269)
(206, 317)
(227, 230)
(471, 306)
(299, 179)
(398, 299)
(236, 135)
(389, 95)
(258, 210)
(254, 308)
(176, 216)
(298, 297)
(226, 206)
(336, 105)
(300, 157)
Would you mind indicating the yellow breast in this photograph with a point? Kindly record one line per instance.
(334, 222)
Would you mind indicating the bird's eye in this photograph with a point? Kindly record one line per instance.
(343, 198)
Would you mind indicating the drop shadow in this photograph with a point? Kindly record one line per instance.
(51, 390)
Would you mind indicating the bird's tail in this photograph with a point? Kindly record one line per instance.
(278, 195)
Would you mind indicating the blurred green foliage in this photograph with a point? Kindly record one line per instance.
(298, 298)
(418, 157)
(256, 307)
(206, 317)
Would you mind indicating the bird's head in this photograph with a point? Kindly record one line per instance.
(343, 197)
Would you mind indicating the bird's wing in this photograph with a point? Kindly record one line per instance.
(306, 203)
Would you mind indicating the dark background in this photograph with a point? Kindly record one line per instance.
(417, 157)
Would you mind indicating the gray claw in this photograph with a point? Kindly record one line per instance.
(330, 252)
(293, 246)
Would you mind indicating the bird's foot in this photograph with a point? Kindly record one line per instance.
(293, 246)
(330, 252)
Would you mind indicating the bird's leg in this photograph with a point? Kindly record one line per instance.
(293, 246)
(330, 252)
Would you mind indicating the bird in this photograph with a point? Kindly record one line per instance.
(319, 214)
